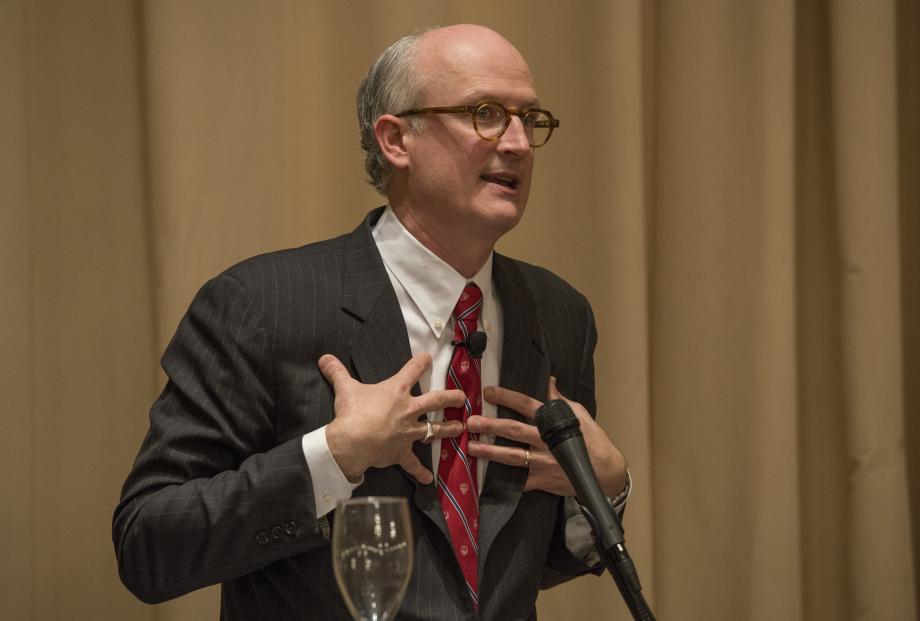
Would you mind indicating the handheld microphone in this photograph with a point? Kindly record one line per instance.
(561, 431)
(475, 343)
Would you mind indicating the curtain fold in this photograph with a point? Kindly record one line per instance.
(722, 313)
(864, 92)
(16, 469)
(734, 186)
(908, 79)
(79, 353)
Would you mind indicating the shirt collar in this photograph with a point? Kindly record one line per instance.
(433, 285)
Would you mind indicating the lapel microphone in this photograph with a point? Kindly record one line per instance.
(475, 343)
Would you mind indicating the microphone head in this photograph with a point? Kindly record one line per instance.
(557, 422)
(476, 344)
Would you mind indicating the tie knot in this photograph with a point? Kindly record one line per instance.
(467, 308)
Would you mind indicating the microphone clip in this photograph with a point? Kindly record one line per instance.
(475, 344)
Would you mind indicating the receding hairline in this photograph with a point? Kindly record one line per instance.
(436, 49)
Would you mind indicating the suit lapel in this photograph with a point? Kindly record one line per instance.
(524, 368)
(380, 345)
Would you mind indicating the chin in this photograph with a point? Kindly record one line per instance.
(502, 217)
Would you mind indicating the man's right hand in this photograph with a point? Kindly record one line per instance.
(375, 425)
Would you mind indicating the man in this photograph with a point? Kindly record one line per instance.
(345, 367)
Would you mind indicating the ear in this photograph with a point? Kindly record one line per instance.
(391, 133)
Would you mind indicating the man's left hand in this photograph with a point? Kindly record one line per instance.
(545, 472)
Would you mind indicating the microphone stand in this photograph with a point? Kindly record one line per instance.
(621, 567)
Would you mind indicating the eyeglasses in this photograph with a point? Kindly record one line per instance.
(491, 119)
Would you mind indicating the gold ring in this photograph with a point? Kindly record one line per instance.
(528, 456)
(429, 432)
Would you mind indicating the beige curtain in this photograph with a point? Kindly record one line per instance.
(734, 186)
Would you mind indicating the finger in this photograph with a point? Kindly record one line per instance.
(448, 429)
(517, 401)
(415, 468)
(438, 400)
(413, 369)
(334, 371)
(508, 455)
(552, 391)
(440, 431)
(505, 428)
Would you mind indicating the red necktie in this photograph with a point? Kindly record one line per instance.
(458, 485)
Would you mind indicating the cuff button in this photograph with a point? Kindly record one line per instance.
(290, 529)
(277, 532)
(262, 538)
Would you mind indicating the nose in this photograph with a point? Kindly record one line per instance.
(514, 141)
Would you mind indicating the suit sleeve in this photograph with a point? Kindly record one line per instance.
(212, 495)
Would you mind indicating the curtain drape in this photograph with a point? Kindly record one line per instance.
(734, 186)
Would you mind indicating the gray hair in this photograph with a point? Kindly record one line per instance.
(391, 86)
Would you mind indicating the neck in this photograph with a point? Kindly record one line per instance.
(464, 253)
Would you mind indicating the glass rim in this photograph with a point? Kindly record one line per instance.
(375, 500)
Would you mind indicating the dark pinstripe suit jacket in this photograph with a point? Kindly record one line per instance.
(220, 491)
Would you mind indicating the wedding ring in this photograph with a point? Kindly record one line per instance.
(527, 457)
(429, 432)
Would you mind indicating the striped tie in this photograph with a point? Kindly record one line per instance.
(458, 485)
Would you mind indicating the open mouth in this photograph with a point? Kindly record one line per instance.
(502, 180)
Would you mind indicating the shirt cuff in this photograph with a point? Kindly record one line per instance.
(329, 483)
(619, 503)
(578, 536)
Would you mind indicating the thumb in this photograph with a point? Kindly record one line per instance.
(334, 371)
(414, 467)
(552, 392)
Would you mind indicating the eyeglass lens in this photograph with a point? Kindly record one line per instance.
(491, 120)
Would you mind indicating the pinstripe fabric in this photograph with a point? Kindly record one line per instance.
(220, 491)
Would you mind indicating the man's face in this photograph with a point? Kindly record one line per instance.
(473, 186)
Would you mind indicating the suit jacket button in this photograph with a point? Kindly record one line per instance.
(277, 532)
(262, 538)
(290, 529)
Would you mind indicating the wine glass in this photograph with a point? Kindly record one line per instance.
(372, 555)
